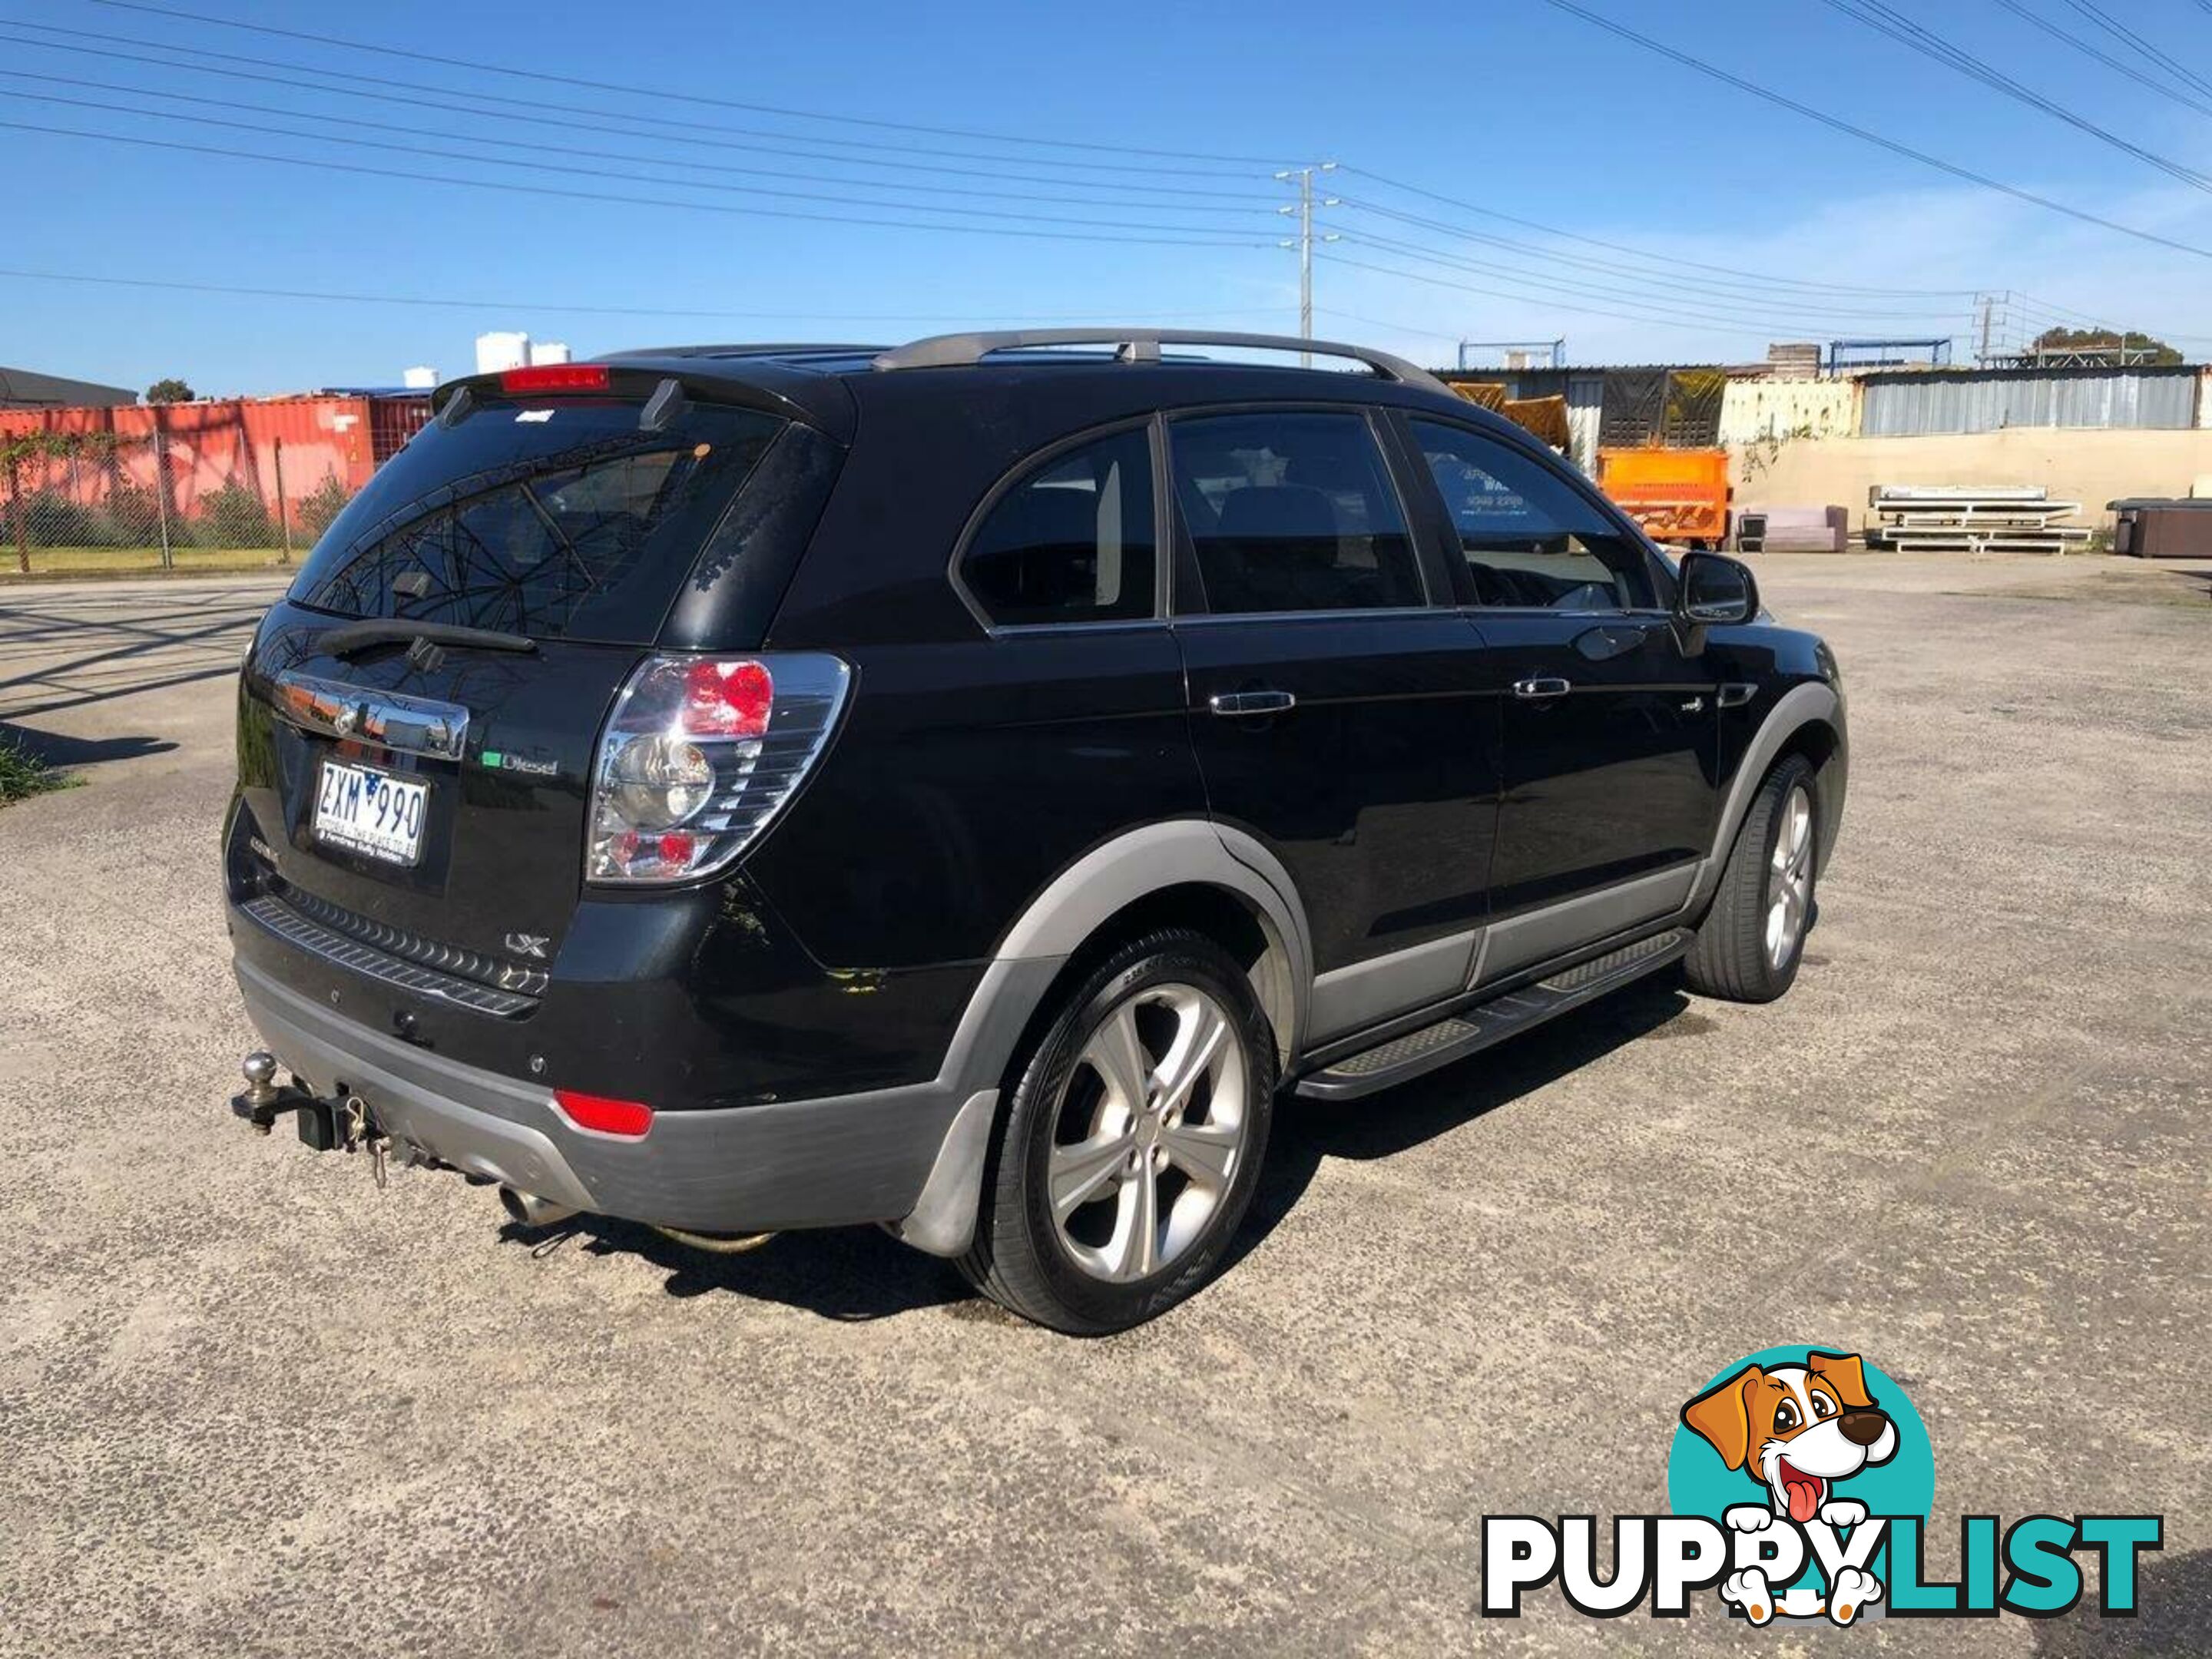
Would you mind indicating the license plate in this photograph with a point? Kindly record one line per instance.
(368, 811)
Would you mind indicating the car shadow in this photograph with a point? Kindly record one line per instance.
(64, 752)
(1307, 1133)
(843, 1274)
(859, 1274)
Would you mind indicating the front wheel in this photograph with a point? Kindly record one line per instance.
(1129, 1150)
(1751, 942)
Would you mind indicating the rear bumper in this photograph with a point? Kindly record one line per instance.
(830, 1162)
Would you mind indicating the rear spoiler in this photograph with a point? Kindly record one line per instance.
(663, 388)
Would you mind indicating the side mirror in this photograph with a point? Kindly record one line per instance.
(1715, 590)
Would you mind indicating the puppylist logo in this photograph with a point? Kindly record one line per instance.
(1799, 1488)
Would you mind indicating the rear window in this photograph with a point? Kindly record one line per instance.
(558, 520)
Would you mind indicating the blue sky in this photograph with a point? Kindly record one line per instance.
(1511, 108)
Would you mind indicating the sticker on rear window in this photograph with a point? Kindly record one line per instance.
(535, 415)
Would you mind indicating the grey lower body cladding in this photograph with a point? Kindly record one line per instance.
(853, 1158)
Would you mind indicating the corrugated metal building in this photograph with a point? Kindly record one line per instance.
(1756, 408)
(1918, 403)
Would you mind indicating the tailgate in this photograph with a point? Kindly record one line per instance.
(418, 718)
(483, 763)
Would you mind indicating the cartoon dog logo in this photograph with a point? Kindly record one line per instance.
(1797, 1429)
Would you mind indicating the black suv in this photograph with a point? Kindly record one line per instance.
(959, 787)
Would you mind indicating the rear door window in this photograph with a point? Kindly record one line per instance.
(1292, 511)
(1531, 540)
(1073, 542)
(559, 521)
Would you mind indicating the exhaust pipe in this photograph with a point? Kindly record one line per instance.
(532, 1210)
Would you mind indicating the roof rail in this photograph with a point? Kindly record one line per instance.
(1138, 345)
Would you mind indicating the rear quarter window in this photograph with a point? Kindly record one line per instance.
(1071, 541)
(558, 520)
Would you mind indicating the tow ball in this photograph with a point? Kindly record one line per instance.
(338, 1125)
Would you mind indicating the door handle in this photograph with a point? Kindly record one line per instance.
(1535, 690)
(1240, 703)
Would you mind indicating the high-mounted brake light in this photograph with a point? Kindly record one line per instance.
(555, 377)
(700, 754)
(629, 1119)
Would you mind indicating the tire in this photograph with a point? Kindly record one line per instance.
(1072, 1124)
(1752, 938)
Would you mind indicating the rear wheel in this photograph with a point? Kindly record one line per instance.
(1750, 944)
(1129, 1150)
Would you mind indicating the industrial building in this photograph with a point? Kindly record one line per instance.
(23, 388)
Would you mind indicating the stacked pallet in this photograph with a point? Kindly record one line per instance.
(1970, 518)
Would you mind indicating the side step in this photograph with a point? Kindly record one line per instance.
(1472, 1029)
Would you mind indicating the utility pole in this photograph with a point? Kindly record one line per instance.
(1303, 243)
(1989, 304)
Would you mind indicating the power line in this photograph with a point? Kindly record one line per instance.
(661, 94)
(535, 110)
(1897, 26)
(608, 172)
(2091, 49)
(1837, 123)
(2119, 31)
(1698, 287)
(1746, 328)
(1399, 328)
(1637, 252)
(2047, 309)
(1702, 287)
(1184, 239)
(603, 154)
(1731, 309)
(512, 306)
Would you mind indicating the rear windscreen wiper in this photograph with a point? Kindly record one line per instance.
(351, 637)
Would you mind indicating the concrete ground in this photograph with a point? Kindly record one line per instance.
(251, 1405)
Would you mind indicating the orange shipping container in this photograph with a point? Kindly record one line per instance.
(206, 457)
(1676, 494)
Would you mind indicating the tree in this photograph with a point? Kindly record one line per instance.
(170, 391)
(2123, 346)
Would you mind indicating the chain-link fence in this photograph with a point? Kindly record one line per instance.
(89, 500)
(195, 486)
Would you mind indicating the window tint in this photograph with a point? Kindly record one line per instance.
(1073, 542)
(1293, 512)
(571, 524)
(1530, 537)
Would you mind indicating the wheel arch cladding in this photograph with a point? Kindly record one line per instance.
(1181, 874)
(1186, 872)
(1808, 719)
(1823, 745)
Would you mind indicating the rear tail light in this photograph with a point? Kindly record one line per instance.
(555, 377)
(701, 753)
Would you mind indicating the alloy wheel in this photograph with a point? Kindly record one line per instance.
(1789, 884)
(1150, 1133)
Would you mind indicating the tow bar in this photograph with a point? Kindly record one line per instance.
(341, 1124)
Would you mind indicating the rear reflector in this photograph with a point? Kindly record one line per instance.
(555, 377)
(627, 1118)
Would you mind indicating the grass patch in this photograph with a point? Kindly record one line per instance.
(23, 774)
(137, 560)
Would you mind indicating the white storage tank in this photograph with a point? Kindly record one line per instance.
(422, 378)
(499, 351)
(550, 351)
